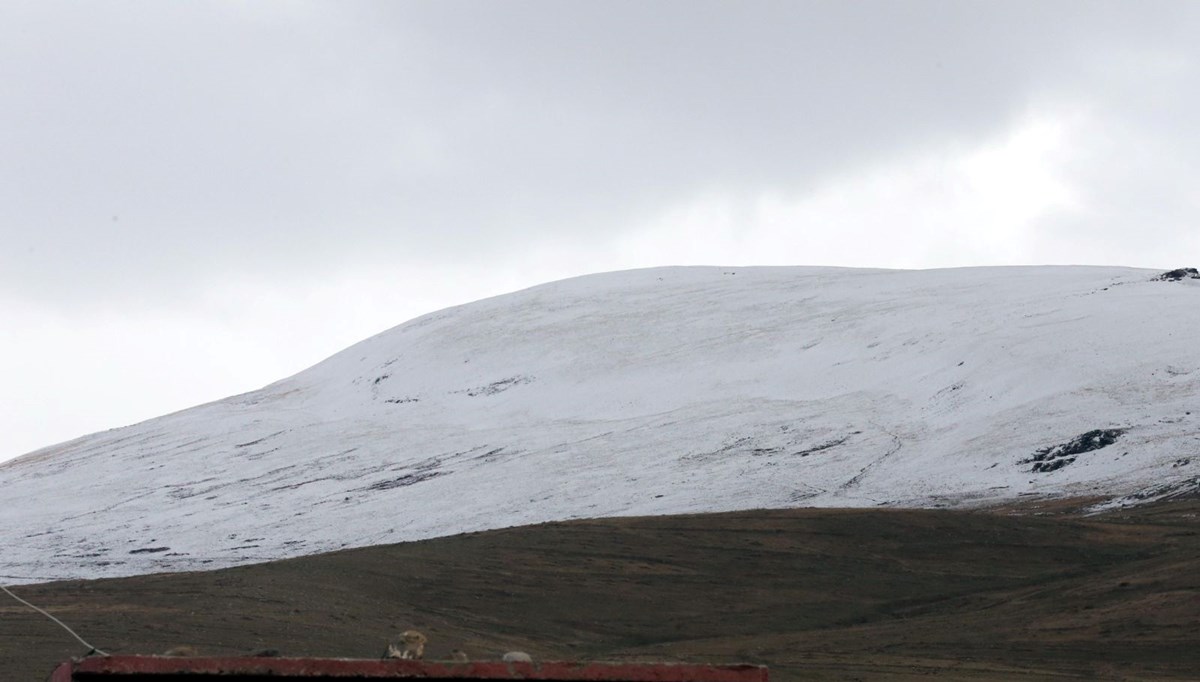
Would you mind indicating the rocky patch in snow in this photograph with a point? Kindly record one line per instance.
(1058, 456)
(1178, 274)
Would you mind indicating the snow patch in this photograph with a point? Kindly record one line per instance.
(663, 391)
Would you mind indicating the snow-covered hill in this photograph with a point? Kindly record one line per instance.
(647, 392)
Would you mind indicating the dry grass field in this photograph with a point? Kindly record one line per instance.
(816, 594)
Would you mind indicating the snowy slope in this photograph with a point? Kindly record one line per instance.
(646, 392)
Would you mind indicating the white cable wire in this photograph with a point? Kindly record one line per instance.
(91, 648)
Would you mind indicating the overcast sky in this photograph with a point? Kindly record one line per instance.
(199, 198)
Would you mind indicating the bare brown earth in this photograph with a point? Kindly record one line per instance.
(815, 594)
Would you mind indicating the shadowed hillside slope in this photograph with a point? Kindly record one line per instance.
(815, 594)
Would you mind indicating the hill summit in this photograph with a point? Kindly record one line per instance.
(659, 391)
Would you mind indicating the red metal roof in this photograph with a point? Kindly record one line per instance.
(114, 668)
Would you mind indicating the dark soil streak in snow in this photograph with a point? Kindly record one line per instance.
(857, 478)
(823, 446)
(405, 480)
(258, 440)
(496, 386)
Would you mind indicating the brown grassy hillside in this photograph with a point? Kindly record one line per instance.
(815, 594)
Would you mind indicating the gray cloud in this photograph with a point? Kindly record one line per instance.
(200, 197)
(152, 147)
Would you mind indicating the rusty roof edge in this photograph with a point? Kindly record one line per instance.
(582, 671)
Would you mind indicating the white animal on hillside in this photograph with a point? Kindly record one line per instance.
(517, 657)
